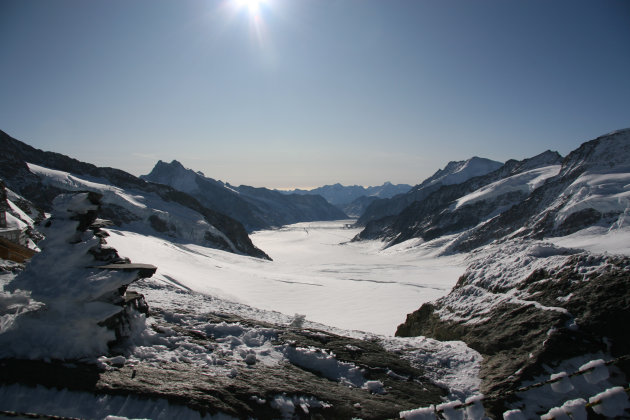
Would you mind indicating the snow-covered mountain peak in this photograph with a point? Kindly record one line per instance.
(173, 174)
(456, 172)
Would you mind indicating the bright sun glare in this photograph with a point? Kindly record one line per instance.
(252, 5)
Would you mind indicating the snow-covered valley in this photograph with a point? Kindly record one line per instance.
(315, 272)
(474, 297)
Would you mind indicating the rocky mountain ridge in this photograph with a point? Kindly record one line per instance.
(255, 208)
(354, 197)
(454, 172)
(438, 213)
(538, 197)
(51, 174)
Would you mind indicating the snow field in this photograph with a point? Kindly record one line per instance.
(316, 272)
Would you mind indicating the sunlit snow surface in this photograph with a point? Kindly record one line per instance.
(315, 271)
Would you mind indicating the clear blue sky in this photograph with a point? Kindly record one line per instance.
(304, 93)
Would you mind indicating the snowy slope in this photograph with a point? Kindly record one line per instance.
(146, 213)
(460, 171)
(15, 172)
(20, 215)
(525, 182)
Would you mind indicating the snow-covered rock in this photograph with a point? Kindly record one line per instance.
(74, 299)
(532, 308)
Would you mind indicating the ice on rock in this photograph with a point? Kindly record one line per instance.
(556, 413)
(514, 415)
(326, 364)
(563, 383)
(450, 410)
(287, 405)
(612, 403)
(596, 371)
(576, 409)
(426, 413)
(374, 387)
(475, 410)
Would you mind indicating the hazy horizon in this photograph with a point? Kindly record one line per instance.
(300, 94)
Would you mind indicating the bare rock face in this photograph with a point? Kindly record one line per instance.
(79, 305)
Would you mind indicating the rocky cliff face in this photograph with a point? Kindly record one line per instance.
(453, 173)
(255, 208)
(174, 211)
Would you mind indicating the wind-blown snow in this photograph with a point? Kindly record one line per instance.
(525, 182)
(315, 271)
(606, 193)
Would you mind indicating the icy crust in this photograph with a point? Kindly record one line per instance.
(492, 277)
(145, 209)
(62, 300)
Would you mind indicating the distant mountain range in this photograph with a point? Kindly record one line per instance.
(354, 199)
(255, 208)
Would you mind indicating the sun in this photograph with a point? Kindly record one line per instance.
(252, 5)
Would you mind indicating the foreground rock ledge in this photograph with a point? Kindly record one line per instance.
(590, 298)
(189, 385)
